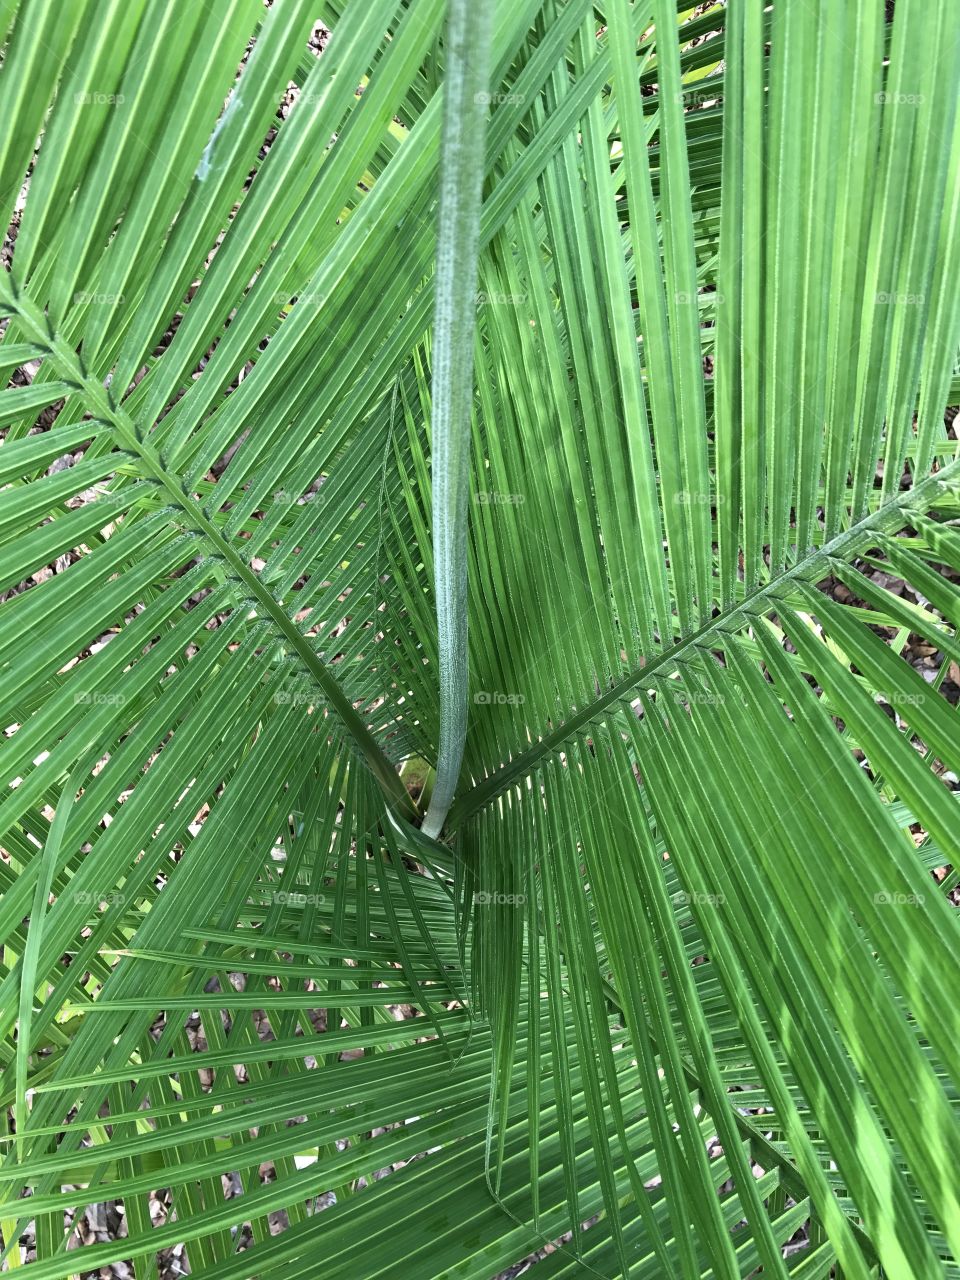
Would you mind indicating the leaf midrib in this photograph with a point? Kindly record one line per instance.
(843, 546)
(123, 426)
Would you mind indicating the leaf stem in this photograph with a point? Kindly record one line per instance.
(469, 38)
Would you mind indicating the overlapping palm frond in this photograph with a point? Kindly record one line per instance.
(673, 987)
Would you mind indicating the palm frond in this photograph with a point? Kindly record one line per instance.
(662, 983)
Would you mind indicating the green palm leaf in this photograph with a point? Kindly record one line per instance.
(586, 463)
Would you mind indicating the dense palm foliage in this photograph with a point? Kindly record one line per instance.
(674, 981)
